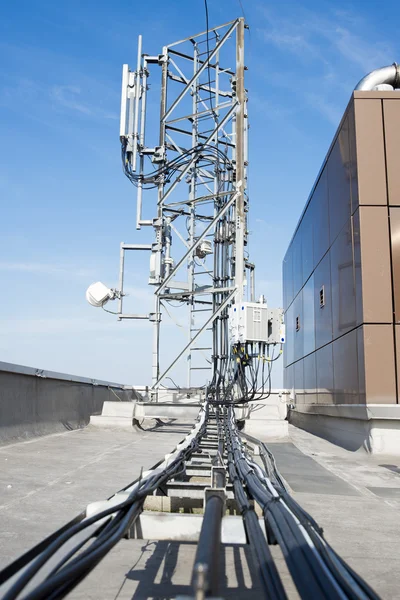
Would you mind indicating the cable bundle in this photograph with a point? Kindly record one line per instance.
(100, 533)
(316, 569)
(202, 153)
(245, 376)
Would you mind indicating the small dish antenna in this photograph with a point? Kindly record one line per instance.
(99, 294)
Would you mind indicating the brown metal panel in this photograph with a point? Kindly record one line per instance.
(307, 241)
(321, 217)
(361, 364)
(357, 266)
(343, 283)
(375, 94)
(395, 240)
(370, 152)
(324, 363)
(397, 329)
(376, 346)
(298, 332)
(310, 379)
(391, 112)
(345, 369)
(323, 314)
(308, 316)
(299, 381)
(375, 265)
(353, 158)
(338, 166)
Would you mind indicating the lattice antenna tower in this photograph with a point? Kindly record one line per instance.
(191, 187)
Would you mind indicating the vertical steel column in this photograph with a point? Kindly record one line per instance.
(217, 298)
(240, 225)
(160, 223)
(121, 276)
(192, 222)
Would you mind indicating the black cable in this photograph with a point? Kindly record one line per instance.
(68, 572)
(324, 567)
(177, 386)
(269, 575)
(298, 557)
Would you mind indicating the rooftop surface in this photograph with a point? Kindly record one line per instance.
(47, 481)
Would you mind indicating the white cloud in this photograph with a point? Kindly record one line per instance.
(70, 96)
(62, 325)
(325, 107)
(294, 42)
(341, 32)
(361, 52)
(138, 292)
(328, 52)
(45, 269)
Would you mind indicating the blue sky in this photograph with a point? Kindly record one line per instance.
(65, 204)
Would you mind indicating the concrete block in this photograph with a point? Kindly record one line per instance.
(267, 429)
(103, 421)
(374, 436)
(158, 410)
(274, 407)
(118, 409)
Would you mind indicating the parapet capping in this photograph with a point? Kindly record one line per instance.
(43, 373)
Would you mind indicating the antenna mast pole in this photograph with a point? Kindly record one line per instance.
(240, 167)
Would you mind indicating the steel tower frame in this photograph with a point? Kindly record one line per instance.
(199, 174)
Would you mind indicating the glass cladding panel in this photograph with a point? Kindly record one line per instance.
(307, 241)
(310, 379)
(321, 218)
(370, 152)
(395, 241)
(299, 381)
(288, 277)
(323, 313)
(378, 344)
(288, 347)
(342, 280)
(284, 283)
(391, 112)
(288, 378)
(338, 166)
(308, 316)
(345, 369)
(297, 261)
(324, 363)
(357, 266)
(299, 326)
(353, 159)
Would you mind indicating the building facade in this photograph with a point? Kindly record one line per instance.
(341, 285)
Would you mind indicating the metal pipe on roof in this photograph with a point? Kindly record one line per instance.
(384, 76)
